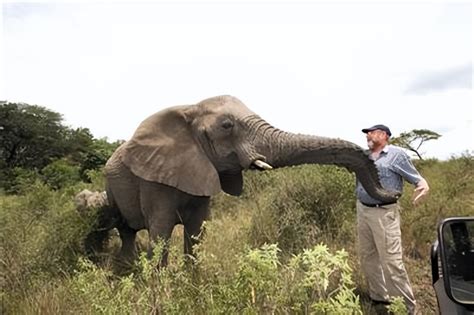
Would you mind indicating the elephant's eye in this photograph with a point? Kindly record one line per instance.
(227, 124)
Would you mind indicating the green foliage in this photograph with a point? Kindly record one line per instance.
(95, 156)
(32, 137)
(19, 180)
(41, 239)
(260, 285)
(60, 173)
(397, 306)
(100, 291)
(96, 179)
(239, 268)
(451, 193)
(301, 206)
(258, 278)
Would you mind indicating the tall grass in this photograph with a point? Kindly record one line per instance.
(288, 245)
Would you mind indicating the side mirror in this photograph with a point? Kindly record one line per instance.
(456, 249)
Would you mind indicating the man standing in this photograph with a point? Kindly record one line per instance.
(379, 223)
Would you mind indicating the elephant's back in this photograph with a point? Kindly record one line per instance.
(113, 163)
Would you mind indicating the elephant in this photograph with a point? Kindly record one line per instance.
(180, 157)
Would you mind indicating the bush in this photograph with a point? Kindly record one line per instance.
(257, 255)
(41, 240)
(313, 281)
(60, 173)
(303, 206)
(18, 180)
(451, 194)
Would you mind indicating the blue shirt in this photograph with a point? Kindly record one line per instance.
(393, 165)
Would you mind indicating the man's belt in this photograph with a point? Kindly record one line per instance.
(377, 205)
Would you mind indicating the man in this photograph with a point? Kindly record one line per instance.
(379, 223)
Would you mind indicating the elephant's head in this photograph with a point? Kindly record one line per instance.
(203, 148)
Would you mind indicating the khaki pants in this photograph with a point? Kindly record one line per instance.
(380, 247)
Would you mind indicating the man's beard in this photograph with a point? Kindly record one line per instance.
(370, 144)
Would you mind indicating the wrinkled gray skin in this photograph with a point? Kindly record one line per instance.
(179, 157)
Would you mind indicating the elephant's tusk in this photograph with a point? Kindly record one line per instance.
(262, 165)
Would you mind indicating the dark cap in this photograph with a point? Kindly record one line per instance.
(378, 127)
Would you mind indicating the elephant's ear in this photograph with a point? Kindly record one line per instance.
(164, 150)
(231, 182)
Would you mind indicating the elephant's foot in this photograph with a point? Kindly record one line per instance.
(94, 245)
(128, 250)
(128, 254)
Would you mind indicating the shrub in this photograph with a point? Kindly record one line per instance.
(44, 270)
(18, 180)
(313, 281)
(41, 239)
(303, 206)
(101, 292)
(60, 173)
(397, 306)
(451, 194)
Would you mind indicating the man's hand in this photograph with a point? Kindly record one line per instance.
(421, 190)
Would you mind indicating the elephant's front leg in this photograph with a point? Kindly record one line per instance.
(193, 216)
(159, 204)
(160, 229)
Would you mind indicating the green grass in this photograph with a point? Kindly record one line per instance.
(288, 245)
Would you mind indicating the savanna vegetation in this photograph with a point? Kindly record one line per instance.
(287, 245)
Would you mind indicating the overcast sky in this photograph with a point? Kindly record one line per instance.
(310, 67)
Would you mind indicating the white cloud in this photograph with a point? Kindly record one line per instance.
(309, 67)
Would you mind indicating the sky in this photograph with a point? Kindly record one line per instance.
(313, 67)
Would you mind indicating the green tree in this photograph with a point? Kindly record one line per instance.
(30, 136)
(78, 143)
(86, 151)
(413, 140)
(96, 156)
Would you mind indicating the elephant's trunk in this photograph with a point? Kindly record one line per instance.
(285, 149)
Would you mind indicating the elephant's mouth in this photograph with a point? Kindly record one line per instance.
(250, 158)
(261, 165)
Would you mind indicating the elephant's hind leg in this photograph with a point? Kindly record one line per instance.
(94, 244)
(96, 240)
(128, 251)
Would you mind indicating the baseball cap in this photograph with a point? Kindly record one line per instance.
(378, 127)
